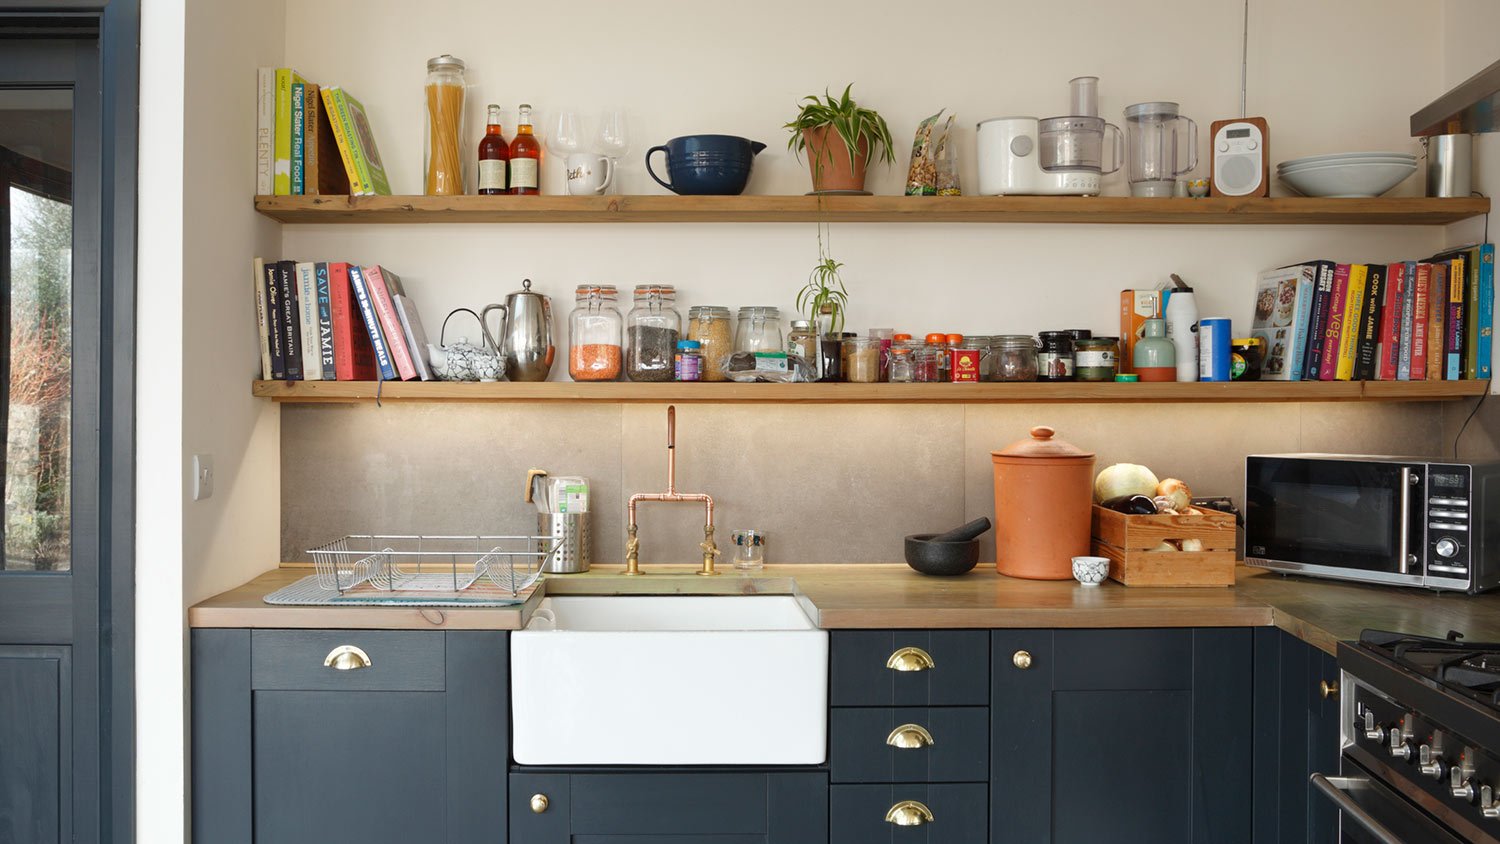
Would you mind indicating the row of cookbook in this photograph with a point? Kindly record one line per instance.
(335, 321)
(312, 139)
(1402, 321)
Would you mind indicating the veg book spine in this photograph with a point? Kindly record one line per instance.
(1354, 308)
(1389, 350)
(372, 323)
(1333, 334)
(1318, 322)
(1365, 360)
(353, 356)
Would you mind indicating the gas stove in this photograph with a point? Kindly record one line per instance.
(1420, 739)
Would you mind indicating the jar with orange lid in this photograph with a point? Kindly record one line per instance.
(595, 330)
(938, 341)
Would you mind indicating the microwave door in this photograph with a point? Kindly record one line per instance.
(1345, 518)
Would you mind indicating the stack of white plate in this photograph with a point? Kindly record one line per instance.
(1347, 174)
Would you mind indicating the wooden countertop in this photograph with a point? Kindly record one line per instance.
(1320, 612)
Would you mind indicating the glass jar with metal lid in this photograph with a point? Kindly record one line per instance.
(1054, 359)
(652, 329)
(1014, 358)
(709, 325)
(594, 331)
(759, 330)
(1096, 358)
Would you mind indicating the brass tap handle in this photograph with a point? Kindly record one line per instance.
(710, 551)
(632, 552)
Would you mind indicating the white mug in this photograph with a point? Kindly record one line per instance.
(589, 173)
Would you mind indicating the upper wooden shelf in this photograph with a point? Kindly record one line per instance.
(1405, 211)
(730, 393)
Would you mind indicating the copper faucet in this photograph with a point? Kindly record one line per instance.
(633, 543)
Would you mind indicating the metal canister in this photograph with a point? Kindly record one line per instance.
(570, 532)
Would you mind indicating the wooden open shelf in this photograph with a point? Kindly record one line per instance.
(730, 393)
(1406, 211)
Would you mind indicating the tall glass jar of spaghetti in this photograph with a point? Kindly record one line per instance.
(442, 150)
(594, 334)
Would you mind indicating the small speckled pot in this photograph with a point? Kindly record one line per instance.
(1090, 571)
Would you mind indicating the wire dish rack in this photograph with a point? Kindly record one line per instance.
(431, 563)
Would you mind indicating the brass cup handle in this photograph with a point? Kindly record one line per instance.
(1329, 690)
(910, 659)
(539, 803)
(909, 737)
(1021, 659)
(909, 813)
(346, 658)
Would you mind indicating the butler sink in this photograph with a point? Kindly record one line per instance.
(678, 680)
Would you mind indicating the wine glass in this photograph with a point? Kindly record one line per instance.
(614, 136)
(567, 134)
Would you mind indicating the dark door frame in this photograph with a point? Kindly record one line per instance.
(116, 23)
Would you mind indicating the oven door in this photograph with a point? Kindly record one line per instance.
(1354, 519)
(1372, 813)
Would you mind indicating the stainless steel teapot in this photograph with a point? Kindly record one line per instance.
(525, 334)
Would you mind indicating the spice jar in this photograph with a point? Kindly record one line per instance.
(441, 155)
(1054, 359)
(1015, 358)
(803, 342)
(1044, 491)
(759, 330)
(1096, 358)
(689, 363)
(594, 331)
(1246, 354)
(927, 363)
(652, 329)
(709, 325)
(886, 336)
(938, 341)
(861, 361)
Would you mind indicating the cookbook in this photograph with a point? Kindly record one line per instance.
(1283, 305)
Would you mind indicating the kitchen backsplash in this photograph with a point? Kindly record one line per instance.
(827, 483)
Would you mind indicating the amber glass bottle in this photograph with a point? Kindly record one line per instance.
(525, 157)
(494, 152)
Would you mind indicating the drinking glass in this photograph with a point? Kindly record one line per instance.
(613, 138)
(566, 135)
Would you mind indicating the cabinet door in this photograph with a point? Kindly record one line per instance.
(1296, 735)
(936, 744)
(669, 807)
(946, 668)
(949, 814)
(1120, 736)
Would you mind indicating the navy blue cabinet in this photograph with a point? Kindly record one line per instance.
(1121, 736)
(349, 737)
(682, 806)
(1296, 735)
(949, 813)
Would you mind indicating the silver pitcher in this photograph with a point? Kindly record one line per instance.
(525, 335)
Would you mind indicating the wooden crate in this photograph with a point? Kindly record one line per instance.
(1127, 542)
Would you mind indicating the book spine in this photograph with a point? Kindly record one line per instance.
(1390, 313)
(311, 105)
(265, 129)
(298, 91)
(390, 323)
(331, 97)
(1453, 340)
(274, 328)
(1354, 307)
(1483, 327)
(371, 170)
(307, 311)
(1471, 318)
(1408, 311)
(282, 168)
(1333, 334)
(1437, 318)
(325, 322)
(386, 371)
(353, 356)
(1318, 322)
(1306, 288)
(415, 338)
(359, 177)
(258, 290)
(291, 319)
(1369, 325)
(1417, 370)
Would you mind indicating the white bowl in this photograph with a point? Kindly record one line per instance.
(1292, 168)
(1090, 571)
(1348, 180)
(1346, 156)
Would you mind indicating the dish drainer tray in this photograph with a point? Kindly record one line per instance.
(423, 565)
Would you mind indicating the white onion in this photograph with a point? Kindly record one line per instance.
(1124, 479)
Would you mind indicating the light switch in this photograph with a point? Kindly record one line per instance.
(203, 476)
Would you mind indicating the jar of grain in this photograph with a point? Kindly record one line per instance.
(709, 325)
(652, 329)
(861, 360)
(594, 331)
(445, 127)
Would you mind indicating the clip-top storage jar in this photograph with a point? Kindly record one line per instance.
(1044, 495)
(709, 325)
(442, 153)
(594, 330)
(652, 329)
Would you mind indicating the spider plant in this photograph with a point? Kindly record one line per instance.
(824, 292)
(851, 122)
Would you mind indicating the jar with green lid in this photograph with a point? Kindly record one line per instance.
(710, 326)
(1096, 358)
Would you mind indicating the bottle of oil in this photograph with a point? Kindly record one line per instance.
(494, 153)
(525, 157)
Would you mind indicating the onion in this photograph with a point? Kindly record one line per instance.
(1124, 479)
(1192, 545)
(1164, 546)
(1181, 496)
(1165, 504)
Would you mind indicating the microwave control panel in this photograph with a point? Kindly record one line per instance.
(1448, 519)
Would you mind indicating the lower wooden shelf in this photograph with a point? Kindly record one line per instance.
(730, 393)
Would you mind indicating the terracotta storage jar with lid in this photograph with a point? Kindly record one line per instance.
(1044, 491)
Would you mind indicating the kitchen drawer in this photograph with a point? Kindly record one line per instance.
(960, 814)
(398, 661)
(951, 668)
(864, 748)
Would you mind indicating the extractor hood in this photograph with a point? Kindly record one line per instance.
(1469, 107)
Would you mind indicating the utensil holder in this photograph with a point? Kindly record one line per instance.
(570, 533)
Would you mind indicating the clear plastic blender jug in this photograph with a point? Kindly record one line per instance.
(1155, 147)
(1077, 143)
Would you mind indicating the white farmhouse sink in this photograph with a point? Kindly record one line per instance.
(679, 680)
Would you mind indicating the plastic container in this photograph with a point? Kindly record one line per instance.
(1044, 490)
(861, 360)
(594, 332)
(688, 365)
(1213, 349)
(1181, 317)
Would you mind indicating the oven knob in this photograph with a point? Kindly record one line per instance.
(1373, 731)
(1461, 787)
(1487, 804)
(1446, 548)
(1400, 747)
(1429, 762)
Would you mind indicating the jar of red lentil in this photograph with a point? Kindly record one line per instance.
(595, 331)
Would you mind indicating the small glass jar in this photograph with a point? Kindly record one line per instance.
(1246, 356)
(802, 341)
(759, 330)
(1054, 359)
(862, 360)
(689, 363)
(1015, 358)
(938, 341)
(749, 550)
(594, 332)
(652, 329)
(709, 325)
(927, 363)
(1096, 358)
(900, 369)
(886, 336)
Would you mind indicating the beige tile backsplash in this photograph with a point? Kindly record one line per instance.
(827, 483)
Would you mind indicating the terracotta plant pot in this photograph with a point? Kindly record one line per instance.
(828, 160)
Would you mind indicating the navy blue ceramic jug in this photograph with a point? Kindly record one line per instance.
(701, 165)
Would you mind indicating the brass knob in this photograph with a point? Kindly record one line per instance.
(909, 736)
(1329, 690)
(1021, 659)
(539, 803)
(909, 813)
(910, 659)
(346, 658)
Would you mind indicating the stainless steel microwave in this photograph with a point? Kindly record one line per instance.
(1394, 520)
